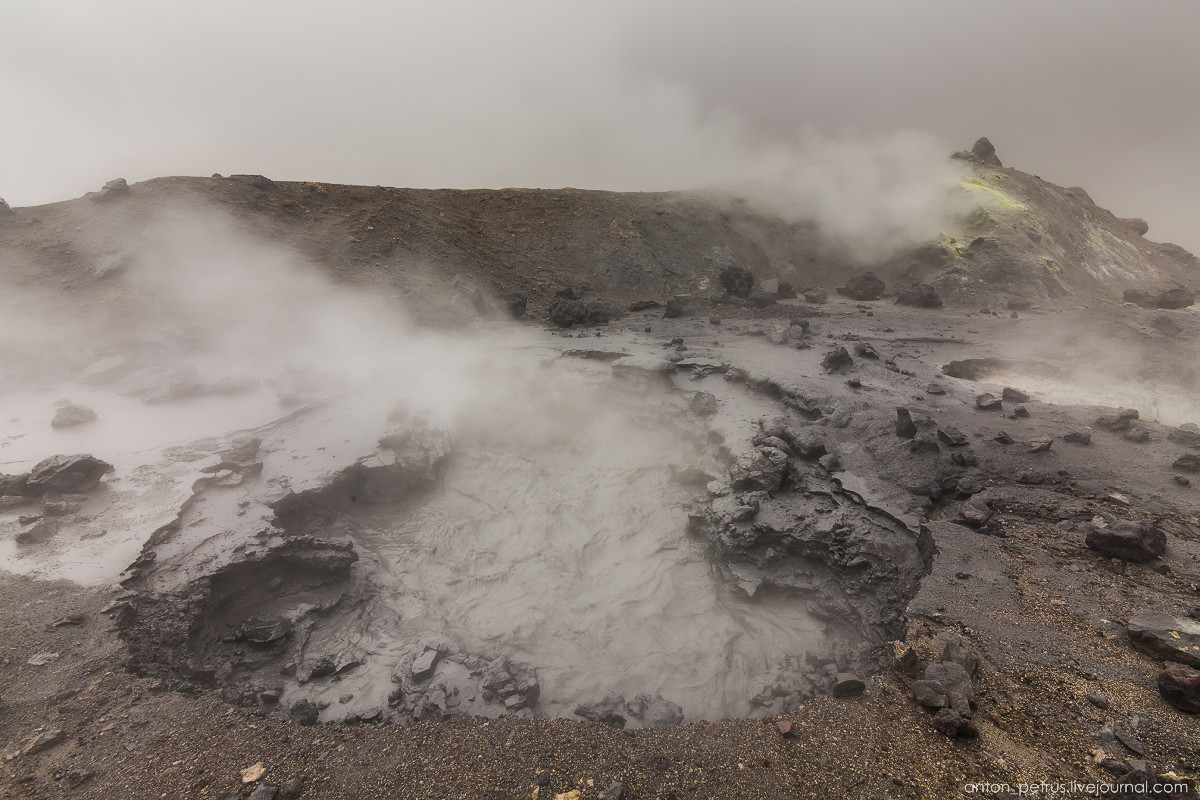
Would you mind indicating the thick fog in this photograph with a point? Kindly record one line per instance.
(656, 95)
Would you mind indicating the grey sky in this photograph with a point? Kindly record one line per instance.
(621, 95)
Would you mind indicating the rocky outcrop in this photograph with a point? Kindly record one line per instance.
(863, 287)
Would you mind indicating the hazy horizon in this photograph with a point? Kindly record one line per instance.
(624, 96)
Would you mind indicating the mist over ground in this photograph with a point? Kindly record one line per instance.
(626, 96)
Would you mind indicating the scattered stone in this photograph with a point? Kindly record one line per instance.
(1014, 395)
(1188, 463)
(615, 791)
(1119, 422)
(42, 659)
(305, 712)
(784, 726)
(253, 772)
(956, 651)
(848, 684)
(952, 436)
(703, 404)
(905, 427)
(77, 473)
(954, 725)
(930, 694)
(607, 710)
(737, 281)
(1078, 437)
(423, 666)
(1040, 445)
(863, 287)
(1003, 438)
(1137, 435)
(566, 309)
(973, 515)
(1020, 412)
(40, 531)
(655, 711)
(924, 443)
(953, 677)
(1098, 701)
(919, 295)
(264, 791)
(61, 508)
(1131, 541)
(1181, 480)
(934, 388)
(1179, 685)
(763, 468)
(41, 741)
(866, 350)
(988, 402)
(837, 359)
(1166, 637)
(816, 296)
(1187, 434)
(293, 788)
(643, 305)
(70, 415)
(786, 291)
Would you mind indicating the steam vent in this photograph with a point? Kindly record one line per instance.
(579, 494)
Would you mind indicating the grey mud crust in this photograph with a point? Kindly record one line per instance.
(284, 595)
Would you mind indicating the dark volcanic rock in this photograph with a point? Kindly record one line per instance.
(737, 281)
(305, 712)
(1179, 685)
(703, 404)
(1119, 422)
(1175, 298)
(40, 531)
(786, 290)
(816, 296)
(954, 724)
(988, 402)
(863, 287)
(1189, 462)
(1014, 395)
(654, 711)
(1187, 434)
(1078, 437)
(984, 152)
(1132, 541)
(1166, 637)
(608, 710)
(836, 359)
(566, 310)
(77, 473)
(674, 308)
(905, 427)
(952, 436)
(919, 295)
(763, 468)
(848, 685)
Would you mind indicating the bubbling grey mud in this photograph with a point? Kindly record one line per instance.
(577, 539)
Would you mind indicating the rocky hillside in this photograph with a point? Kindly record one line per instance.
(1023, 239)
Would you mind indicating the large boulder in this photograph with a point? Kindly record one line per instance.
(567, 309)
(67, 474)
(1131, 541)
(863, 287)
(919, 295)
(1164, 636)
(1137, 225)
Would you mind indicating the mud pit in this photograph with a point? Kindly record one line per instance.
(568, 543)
